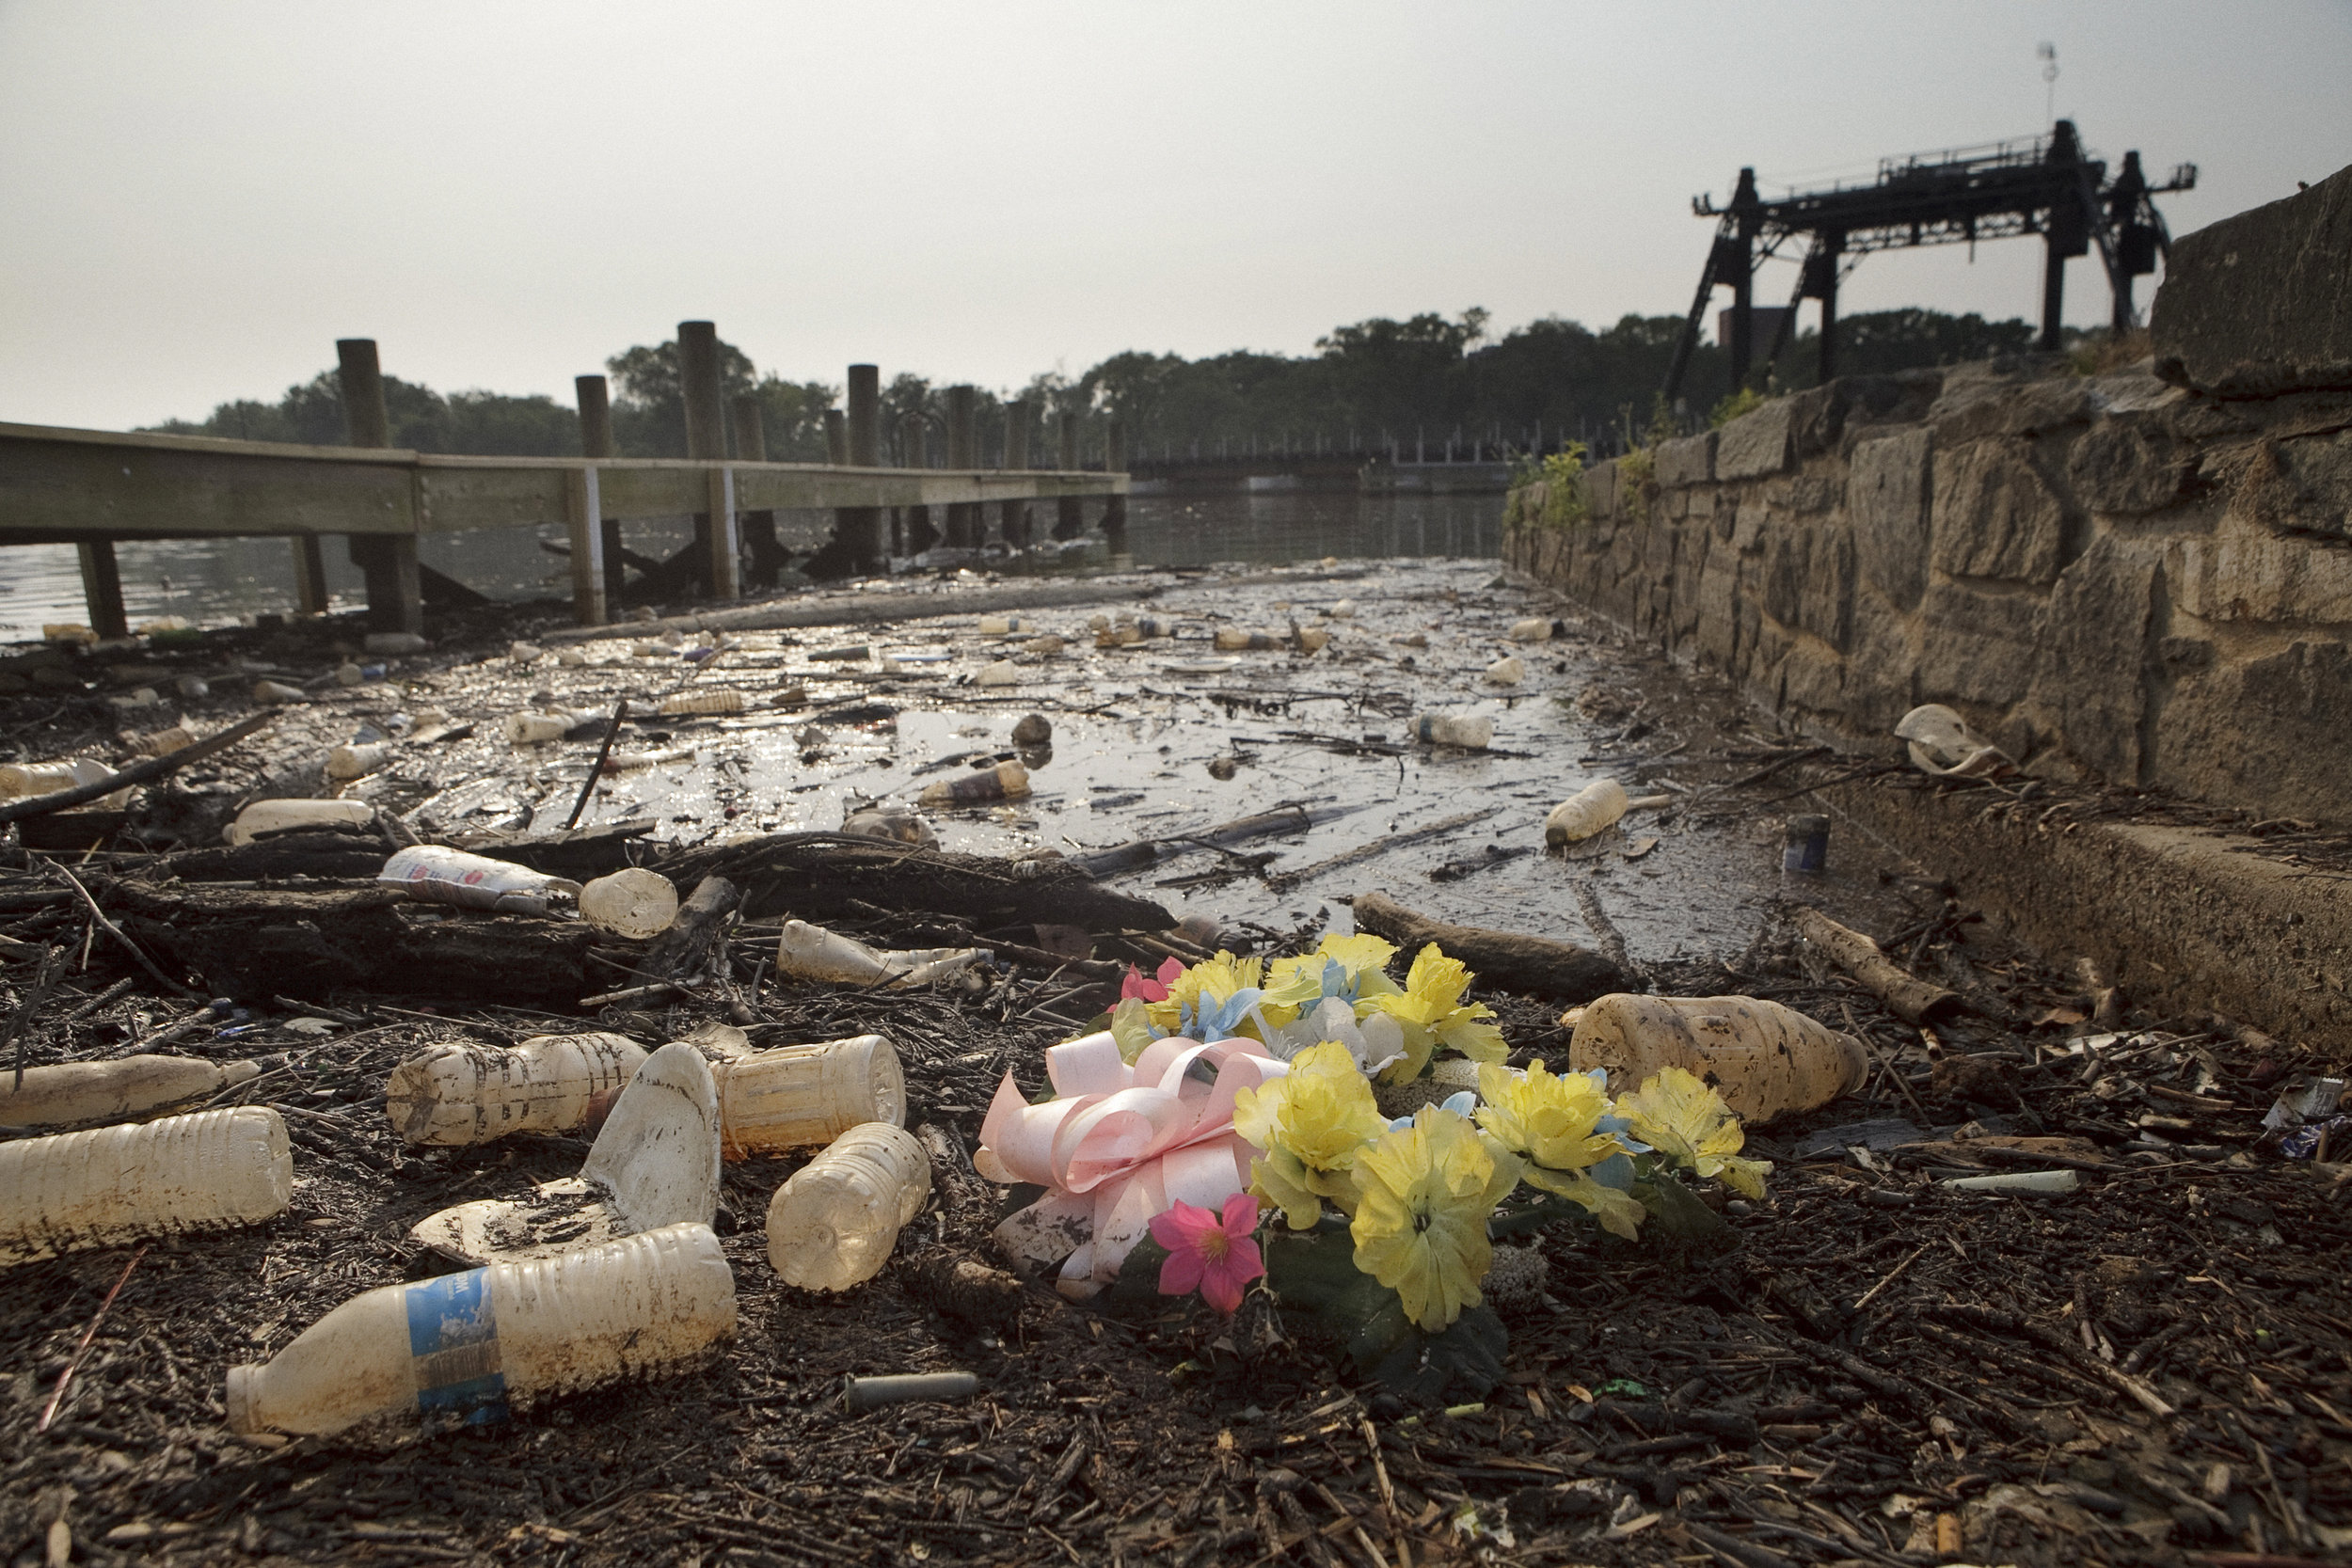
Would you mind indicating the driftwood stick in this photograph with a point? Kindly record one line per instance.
(1914, 1000)
(139, 773)
(115, 932)
(695, 931)
(1501, 959)
(1605, 931)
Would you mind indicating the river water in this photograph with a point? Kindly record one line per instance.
(210, 582)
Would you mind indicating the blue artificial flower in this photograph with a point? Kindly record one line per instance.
(1461, 1105)
(1217, 1020)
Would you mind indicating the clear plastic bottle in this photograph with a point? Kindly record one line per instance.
(1234, 640)
(455, 1094)
(1585, 812)
(19, 779)
(442, 876)
(833, 1225)
(356, 761)
(1006, 781)
(110, 1184)
(278, 693)
(476, 1346)
(1764, 1058)
(1533, 629)
(75, 1094)
(277, 817)
(1507, 671)
(813, 953)
(632, 902)
(800, 1096)
(710, 699)
(1472, 732)
(1004, 625)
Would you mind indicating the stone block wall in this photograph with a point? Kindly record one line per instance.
(2115, 577)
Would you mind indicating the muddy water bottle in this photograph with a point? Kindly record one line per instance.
(1472, 732)
(1507, 671)
(474, 1347)
(277, 817)
(1764, 1058)
(70, 1093)
(688, 705)
(458, 1094)
(356, 760)
(1584, 812)
(800, 1096)
(833, 1225)
(201, 1172)
(1006, 781)
(632, 902)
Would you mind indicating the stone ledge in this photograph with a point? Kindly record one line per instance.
(2260, 303)
(2176, 916)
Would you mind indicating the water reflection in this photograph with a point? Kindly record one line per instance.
(211, 580)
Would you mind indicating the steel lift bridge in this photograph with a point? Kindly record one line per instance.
(2045, 186)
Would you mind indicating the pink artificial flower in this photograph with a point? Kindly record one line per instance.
(1208, 1252)
(1136, 986)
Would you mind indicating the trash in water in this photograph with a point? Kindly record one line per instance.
(537, 729)
(344, 763)
(1507, 671)
(525, 652)
(813, 953)
(441, 876)
(834, 1222)
(1588, 811)
(1942, 744)
(1533, 629)
(1805, 843)
(396, 643)
(1237, 639)
(632, 902)
(892, 824)
(1006, 781)
(278, 692)
(1002, 625)
(1034, 730)
(1003, 672)
(2294, 1107)
(1877, 1136)
(711, 700)
(1472, 732)
(209, 1170)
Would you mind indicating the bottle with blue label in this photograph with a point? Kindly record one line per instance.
(475, 1347)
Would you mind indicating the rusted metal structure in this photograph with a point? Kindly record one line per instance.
(2046, 185)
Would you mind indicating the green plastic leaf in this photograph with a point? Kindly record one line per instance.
(1675, 1212)
(1137, 1287)
(1315, 1271)
(1465, 1359)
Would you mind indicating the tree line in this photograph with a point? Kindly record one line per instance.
(1368, 384)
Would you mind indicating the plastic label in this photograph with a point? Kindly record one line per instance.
(454, 1338)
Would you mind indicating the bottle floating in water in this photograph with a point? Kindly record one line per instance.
(453, 1095)
(477, 1346)
(1006, 781)
(1507, 671)
(833, 1225)
(801, 1095)
(711, 700)
(1472, 732)
(1585, 812)
(208, 1171)
(71, 1094)
(1764, 1058)
(1005, 625)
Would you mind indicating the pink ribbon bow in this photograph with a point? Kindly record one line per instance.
(1119, 1145)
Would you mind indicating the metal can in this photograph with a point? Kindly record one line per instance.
(1805, 843)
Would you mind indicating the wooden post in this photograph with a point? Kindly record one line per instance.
(388, 561)
(595, 440)
(1013, 516)
(758, 528)
(309, 575)
(860, 526)
(964, 452)
(706, 442)
(101, 587)
(1115, 507)
(913, 437)
(583, 517)
(836, 439)
(1070, 518)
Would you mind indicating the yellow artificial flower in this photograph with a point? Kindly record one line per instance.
(1430, 1011)
(1423, 1196)
(1687, 1122)
(1293, 985)
(1312, 1123)
(1214, 978)
(1549, 1119)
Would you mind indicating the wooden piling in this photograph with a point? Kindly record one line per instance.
(1013, 516)
(758, 528)
(584, 521)
(101, 587)
(1115, 507)
(836, 439)
(1070, 518)
(964, 521)
(388, 560)
(706, 442)
(309, 575)
(860, 526)
(914, 441)
(595, 398)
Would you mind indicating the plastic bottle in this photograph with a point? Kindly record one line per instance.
(476, 1346)
(111, 1184)
(525, 652)
(349, 674)
(833, 1225)
(1763, 1057)
(893, 825)
(813, 953)
(1046, 646)
(1004, 625)
(456, 1094)
(1507, 671)
(441, 876)
(352, 762)
(70, 1093)
(278, 693)
(711, 700)
(19, 779)
(1006, 781)
(1232, 639)
(632, 902)
(277, 817)
(1153, 626)
(1472, 732)
(800, 1096)
(163, 742)
(1002, 672)
(1533, 629)
(1584, 812)
(1310, 639)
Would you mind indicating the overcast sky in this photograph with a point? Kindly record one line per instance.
(197, 200)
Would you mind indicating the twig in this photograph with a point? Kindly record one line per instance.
(20, 1026)
(49, 1413)
(634, 993)
(145, 772)
(115, 932)
(99, 1001)
(1888, 1279)
(1605, 931)
(596, 771)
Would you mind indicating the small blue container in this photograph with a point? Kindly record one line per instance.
(1805, 843)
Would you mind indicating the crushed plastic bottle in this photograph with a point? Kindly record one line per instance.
(1507, 671)
(473, 1347)
(278, 817)
(800, 1096)
(813, 953)
(356, 761)
(442, 876)
(710, 700)
(536, 729)
(892, 824)
(1472, 732)
(1006, 781)
(75, 1094)
(1763, 1057)
(833, 1223)
(209, 1170)
(1533, 629)
(454, 1094)
(632, 902)
(1585, 812)
(277, 693)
